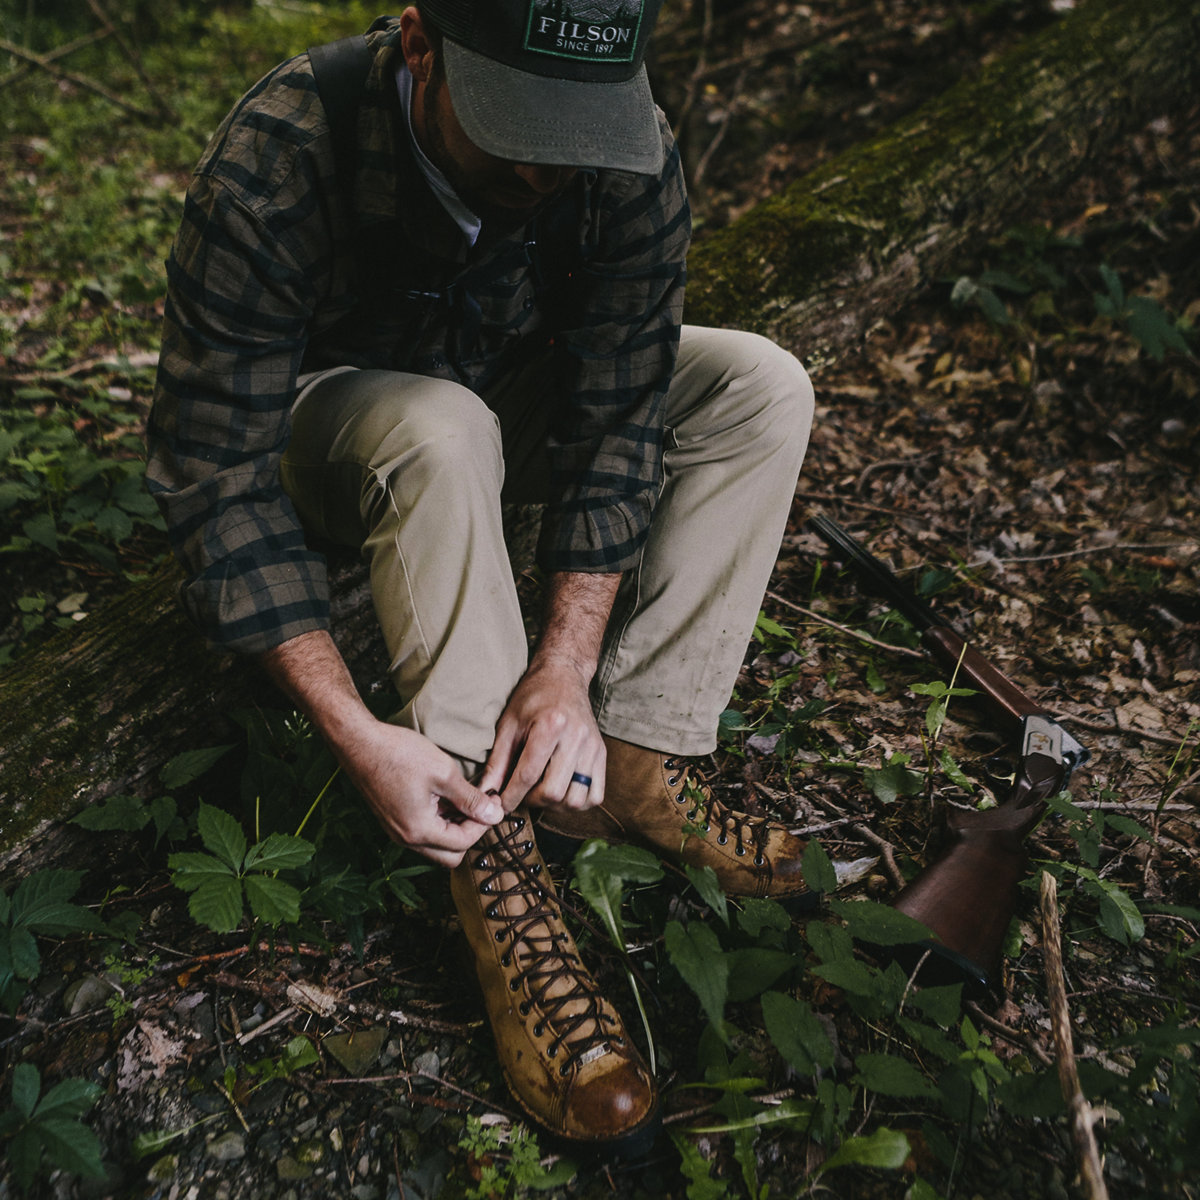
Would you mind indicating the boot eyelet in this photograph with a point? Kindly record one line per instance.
(723, 839)
(506, 960)
(759, 860)
(564, 1070)
(552, 1051)
(741, 850)
(539, 1029)
(490, 912)
(672, 780)
(526, 847)
(523, 1008)
(501, 934)
(514, 985)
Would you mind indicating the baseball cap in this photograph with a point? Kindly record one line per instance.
(561, 82)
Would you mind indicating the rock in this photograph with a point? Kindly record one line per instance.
(288, 1169)
(163, 1169)
(427, 1063)
(86, 993)
(226, 1147)
(357, 1052)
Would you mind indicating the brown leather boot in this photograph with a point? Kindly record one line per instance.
(564, 1052)
(651, 800)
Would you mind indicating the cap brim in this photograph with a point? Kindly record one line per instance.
(533, 119)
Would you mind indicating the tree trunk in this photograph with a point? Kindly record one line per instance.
(817, 266)
(99, 709)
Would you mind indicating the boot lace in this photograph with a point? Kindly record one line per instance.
(705, 810)
(555, 980)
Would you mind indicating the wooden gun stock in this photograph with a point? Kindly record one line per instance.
(967, 895)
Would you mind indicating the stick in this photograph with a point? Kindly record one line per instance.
(58, 52)
(134, 58)
(1082, 1118)
(39, 60)
(902, 651)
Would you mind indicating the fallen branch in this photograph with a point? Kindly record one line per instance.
(58, 52)
(1082, 1118)
(135, 60)
(45, 63)
(903, 651)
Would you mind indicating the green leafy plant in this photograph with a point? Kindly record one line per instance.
(40, 905)
(507, 1162)
(131, 814)
(61, 496)
(126, 975)
(1143, 318)
(44, 1131)
(780, 726)
(601, 872)
(233, 874)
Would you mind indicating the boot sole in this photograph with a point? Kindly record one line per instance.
(561, 849)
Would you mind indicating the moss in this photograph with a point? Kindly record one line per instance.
(1032, 116)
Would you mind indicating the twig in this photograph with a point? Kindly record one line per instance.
(110, 362)
(58, 52)
(401, 1076)
(282, 1015)
(1010, 1035)
(850, 502)
(134, 58)
(883, 464)
(1164, 739)
(1082, 1118)
(885, 848)
(903, 651)
(1082, 552)
(713, 146)
(47, 65)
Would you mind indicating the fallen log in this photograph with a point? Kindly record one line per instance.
(818, 265)
(100, 708)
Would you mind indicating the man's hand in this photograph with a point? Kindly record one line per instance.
(547, 733)
(415, 789)
(418, 792)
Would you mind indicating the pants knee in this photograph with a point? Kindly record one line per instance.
(755, 386)
(447, 428)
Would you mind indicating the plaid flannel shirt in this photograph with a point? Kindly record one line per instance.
(280, 269)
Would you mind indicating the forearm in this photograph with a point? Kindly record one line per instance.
(310, 670)
(578, 607)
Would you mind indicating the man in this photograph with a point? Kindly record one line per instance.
(488, 310)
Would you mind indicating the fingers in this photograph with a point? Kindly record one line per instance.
(499, 763)
(569, 772)
(474, 803)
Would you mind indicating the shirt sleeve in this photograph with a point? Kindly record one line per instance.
(235, 326)
(615, 362)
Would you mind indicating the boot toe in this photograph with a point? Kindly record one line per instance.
(614, 1109)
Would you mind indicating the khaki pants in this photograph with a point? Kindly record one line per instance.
(413, 471)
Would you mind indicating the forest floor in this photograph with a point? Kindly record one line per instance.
(1022, 441)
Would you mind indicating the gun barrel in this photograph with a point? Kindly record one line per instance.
(880, 577)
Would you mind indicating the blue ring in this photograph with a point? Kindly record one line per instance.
(584, 780)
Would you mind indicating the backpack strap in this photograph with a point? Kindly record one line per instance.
(340, 70)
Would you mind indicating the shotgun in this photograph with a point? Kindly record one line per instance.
(967, 895)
